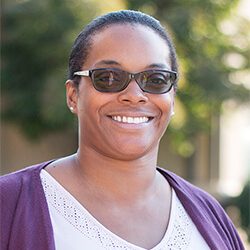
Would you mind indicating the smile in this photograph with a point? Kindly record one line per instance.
(129, 119)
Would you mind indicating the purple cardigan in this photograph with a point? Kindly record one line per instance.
(26, 224)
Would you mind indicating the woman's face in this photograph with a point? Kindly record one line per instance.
(144, 116)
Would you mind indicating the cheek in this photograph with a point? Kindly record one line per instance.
(88, 98)
(91, 104)
(166, 104)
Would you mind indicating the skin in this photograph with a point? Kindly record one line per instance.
(114, 169)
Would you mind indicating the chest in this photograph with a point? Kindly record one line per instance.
(73, 224)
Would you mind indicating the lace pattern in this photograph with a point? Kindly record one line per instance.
(177, 237)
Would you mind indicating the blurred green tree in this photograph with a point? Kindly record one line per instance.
(36, 41)
(213, 45)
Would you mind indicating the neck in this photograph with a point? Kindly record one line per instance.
(118, 180)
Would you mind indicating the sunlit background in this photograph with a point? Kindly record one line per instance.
(208, 140)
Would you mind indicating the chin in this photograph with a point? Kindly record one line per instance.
(129, 157)
(130, 153)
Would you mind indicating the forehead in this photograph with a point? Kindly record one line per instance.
(129, 45)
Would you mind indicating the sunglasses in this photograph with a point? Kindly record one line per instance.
(111, 80)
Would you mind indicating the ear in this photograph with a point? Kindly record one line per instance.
(71, 95)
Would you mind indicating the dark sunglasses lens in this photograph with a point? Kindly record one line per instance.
(156, 81)
(109, 80)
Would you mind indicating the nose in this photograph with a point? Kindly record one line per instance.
(132, 94)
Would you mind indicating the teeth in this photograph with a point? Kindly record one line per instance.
(124, 119)
(135, 120)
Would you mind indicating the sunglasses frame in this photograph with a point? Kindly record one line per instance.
(131, 76)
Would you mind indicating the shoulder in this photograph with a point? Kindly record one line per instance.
(15, 179)
(19, 190)
(22, 203)
(200, 205)
(191, 194)
(179, 183)
(206, 212)
(12, 184)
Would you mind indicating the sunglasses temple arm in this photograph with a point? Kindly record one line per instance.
(82, 73)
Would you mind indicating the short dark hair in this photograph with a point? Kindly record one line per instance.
(82, 44)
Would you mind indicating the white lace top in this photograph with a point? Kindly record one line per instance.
(76, 229)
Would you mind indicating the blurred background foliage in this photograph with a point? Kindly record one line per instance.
(212, 42)
(209, 57)
(36, 40)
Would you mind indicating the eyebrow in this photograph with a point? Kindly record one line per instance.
(107, 62)
(112, 62)
(158, 65)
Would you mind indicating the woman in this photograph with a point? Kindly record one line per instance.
(110, 194)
